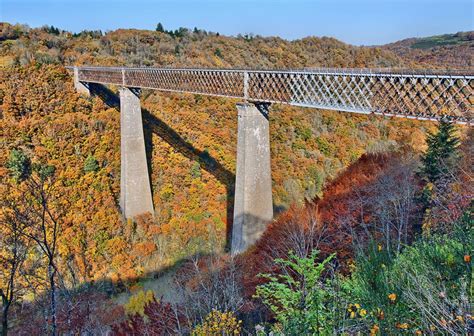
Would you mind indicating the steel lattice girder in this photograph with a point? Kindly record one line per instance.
(418, 95)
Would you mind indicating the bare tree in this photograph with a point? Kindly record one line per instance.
(429, 297)
(40, 213)
(394, 203)
(385, 208)
(209, 283)
(301, 233)
(13, 252)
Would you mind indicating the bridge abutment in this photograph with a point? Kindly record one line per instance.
(135, 190)
(79, 86)
(253, 207)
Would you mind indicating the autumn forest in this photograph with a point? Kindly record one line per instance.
(373, 231)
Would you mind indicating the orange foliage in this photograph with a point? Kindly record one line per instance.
(327, 224)
(190, 139)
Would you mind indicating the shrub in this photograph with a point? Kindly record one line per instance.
(91, 164)
(372, 286)
(426, 288)
(218, 53)
(304, 133)
(159, 318)
(324, 146)
(219, 324)
(136, 304)
(19, 165)
(298, 298)
(196, 170)
(434, 278)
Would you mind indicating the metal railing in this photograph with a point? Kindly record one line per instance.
(427, 95)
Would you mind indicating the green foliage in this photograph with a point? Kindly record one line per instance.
(440, 40)
(178, 33)
(324, 146)
(427, 287)
(438, 258)
(91, 164)
(196, 170)
(43, 170)
(51, 30)
(441, 153)
(159, 28)
(463, 230)
(370, 285)
(434, 279)
(93, 34)
(166, 192)
(218, 53)
(299, 302)
(318, 176)
(304, 133)
(19, 165)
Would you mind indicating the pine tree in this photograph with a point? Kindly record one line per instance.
(159, 28)
(439, 157)
(19, 165)
(91, 164)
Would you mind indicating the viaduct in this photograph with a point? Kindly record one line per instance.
(423, 95)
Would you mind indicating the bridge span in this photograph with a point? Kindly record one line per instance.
(422, 95)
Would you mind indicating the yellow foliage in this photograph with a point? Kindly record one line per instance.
(219, 324)
(5, 61)
(60, 126)
(136, 304)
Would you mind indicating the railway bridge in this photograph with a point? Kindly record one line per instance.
(423, 95)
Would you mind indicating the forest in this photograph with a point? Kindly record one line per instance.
(373, 232)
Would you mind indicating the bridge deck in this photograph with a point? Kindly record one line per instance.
(427, 95)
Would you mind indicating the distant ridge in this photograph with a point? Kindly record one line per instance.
(447, 50)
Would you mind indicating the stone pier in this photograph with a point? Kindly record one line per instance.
(135, 190)
(253, 207)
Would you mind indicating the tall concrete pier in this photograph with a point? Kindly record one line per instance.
(135, 190)
(253, 207)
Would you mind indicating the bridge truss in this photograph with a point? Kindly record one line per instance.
(409, 94)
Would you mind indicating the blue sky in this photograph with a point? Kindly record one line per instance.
(358, 22)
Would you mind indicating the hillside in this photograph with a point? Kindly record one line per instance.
(198, 48)
(191, 145)
(191, 139)
(452, 51)
(183, 48)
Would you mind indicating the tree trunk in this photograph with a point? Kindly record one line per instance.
(5, 318)
(52, 274)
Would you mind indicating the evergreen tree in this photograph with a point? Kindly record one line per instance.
(19, 165)
(218, 53)
(91, 164)
(159, 28)
(439, 157)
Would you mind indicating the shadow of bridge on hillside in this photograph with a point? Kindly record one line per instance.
(154, 125)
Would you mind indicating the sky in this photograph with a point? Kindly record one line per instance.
(359, 22)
